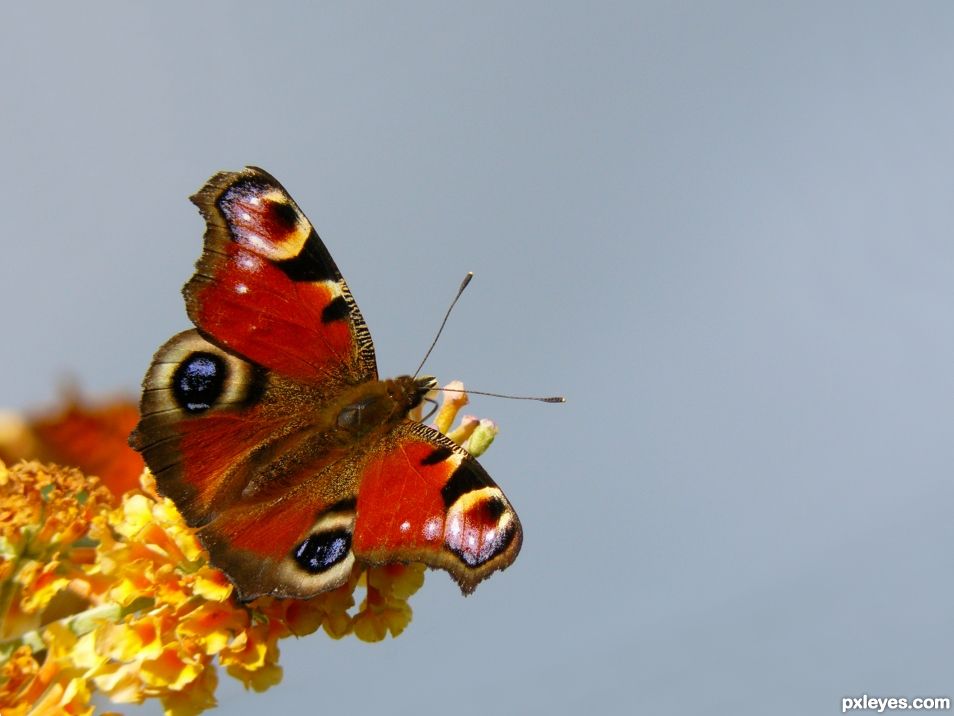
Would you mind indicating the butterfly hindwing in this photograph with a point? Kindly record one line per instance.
(202, 419)
(266, 489)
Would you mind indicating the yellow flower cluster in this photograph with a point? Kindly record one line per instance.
(45, 516)
(120, 599)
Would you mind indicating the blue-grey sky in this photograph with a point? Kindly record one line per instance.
(723, 230)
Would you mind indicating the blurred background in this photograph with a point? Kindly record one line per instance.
(724, 231)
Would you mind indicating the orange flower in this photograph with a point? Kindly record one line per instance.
(93, 438)
(88, 436)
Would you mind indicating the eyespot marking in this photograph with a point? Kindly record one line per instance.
(284, 215)
(323, 550)
(495, 507)
(261, 217)
(198, 381)
(479, 531)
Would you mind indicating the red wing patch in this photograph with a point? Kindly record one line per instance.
(214, 449)
(253, 308)
(269, 530)
(424, 499)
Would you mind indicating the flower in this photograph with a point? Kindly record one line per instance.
(112, 593)
(87, 435)
(44, 515)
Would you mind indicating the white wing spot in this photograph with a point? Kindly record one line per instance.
(432, 529)
(248, 262)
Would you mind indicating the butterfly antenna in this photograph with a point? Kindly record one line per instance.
(551, 399)
(463, 285)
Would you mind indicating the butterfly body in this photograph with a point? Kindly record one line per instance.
(269, 428)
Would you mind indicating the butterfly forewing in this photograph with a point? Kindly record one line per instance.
(267, 288)
(422, 498)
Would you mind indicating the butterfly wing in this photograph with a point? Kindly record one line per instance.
(257, 477)
(267, 288)
(422, 498)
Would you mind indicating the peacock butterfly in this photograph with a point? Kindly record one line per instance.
(268, 427)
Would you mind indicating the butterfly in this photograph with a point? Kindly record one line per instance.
(268, 427)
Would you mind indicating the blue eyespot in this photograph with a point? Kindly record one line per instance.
(323, 550)
(198, 381)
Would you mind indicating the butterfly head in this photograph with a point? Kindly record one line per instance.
(408, 392)
(423, 385)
